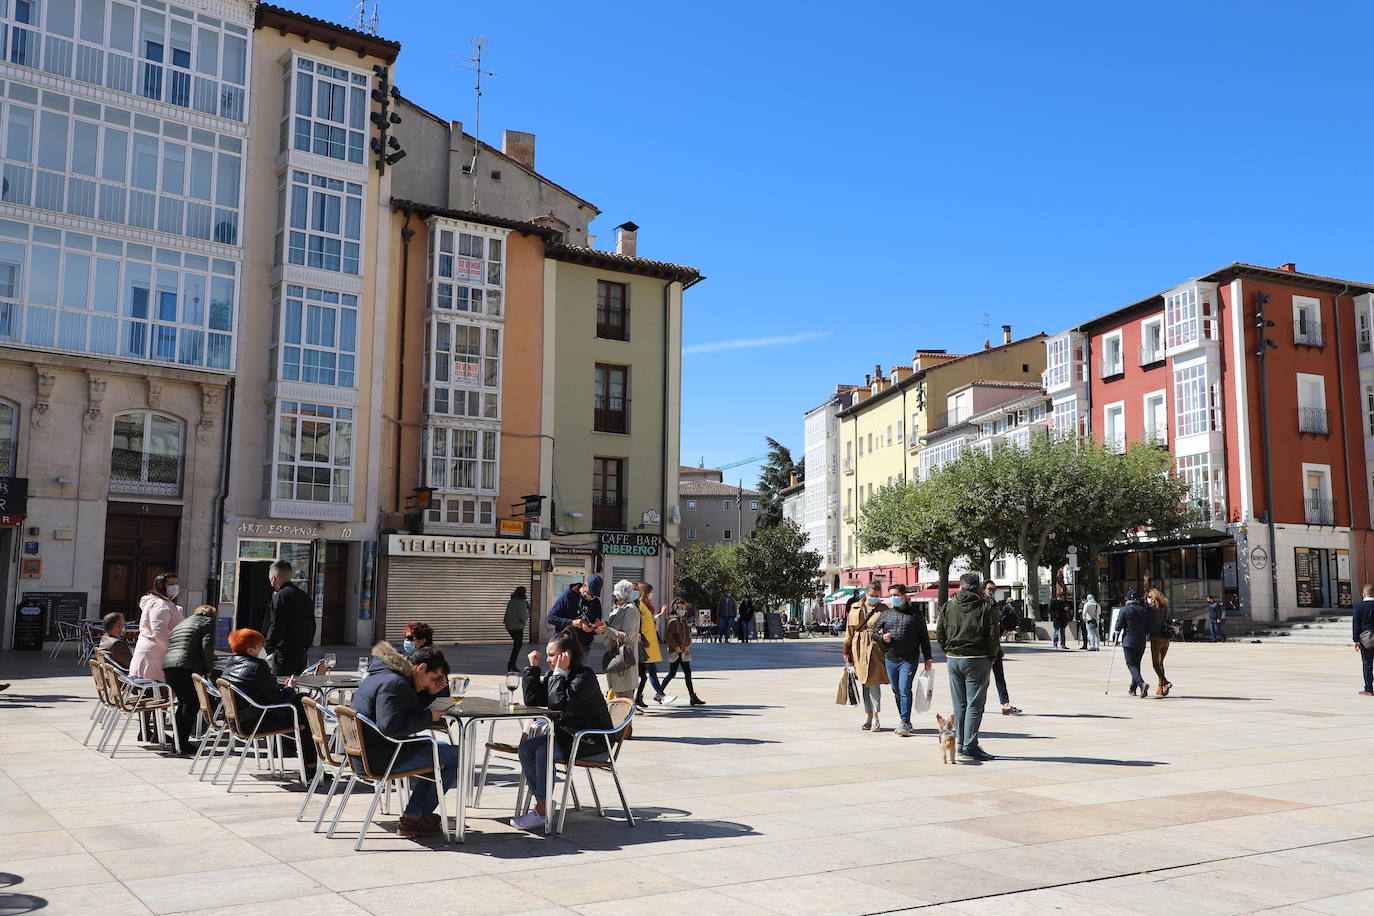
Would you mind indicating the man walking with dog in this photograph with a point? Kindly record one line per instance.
(967, 630)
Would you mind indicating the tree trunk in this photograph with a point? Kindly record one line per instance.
(1091, 582)
(943, 587)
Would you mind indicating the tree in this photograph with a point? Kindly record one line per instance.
(703, 572)
(775, 477)
(918, 519)
(776, 568)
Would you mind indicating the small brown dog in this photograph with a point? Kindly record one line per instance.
(946, 737)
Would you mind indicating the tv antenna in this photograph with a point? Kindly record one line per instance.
(987, 330)
(477, 49)
(365, 16)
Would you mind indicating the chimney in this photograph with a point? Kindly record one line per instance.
(1006, 334)
(877, 372)
(868, 381)
(519, 146)
(627, 239)
(1290, 267)
(591, 241)
(793, 475)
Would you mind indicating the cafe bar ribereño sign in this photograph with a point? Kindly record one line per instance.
(421, 545)
(630, 545)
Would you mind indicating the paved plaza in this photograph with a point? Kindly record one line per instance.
(1243, 791)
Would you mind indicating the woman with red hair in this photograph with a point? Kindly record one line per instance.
(250, 673)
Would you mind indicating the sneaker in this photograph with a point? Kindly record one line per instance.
(429, 825)
(903, 730)
(666, 699)
(531, 821)
(867, 726)
(877, 726)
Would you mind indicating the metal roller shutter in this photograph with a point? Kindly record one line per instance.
(463, 600)
(634, 573)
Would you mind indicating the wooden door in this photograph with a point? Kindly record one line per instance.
(335, 594)
(140, 545)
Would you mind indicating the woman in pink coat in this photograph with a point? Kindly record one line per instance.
(160, 615)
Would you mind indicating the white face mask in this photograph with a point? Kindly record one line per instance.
(262, 652)
(173, 591)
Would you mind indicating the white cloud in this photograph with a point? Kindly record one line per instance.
(746, 343)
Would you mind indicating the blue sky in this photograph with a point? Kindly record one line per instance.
(862, 180)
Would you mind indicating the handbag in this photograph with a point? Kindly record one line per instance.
(848, 693)
(925, 689)
(617, 659)
(1367, 639)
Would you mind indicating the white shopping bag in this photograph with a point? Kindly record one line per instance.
(924, 690)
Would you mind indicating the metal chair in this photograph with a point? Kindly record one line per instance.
(66, 632)
(134, 696)
(361, 768)
(615, 736)
(230, 697)
(319, 717)
(213, 724)
(104, 706)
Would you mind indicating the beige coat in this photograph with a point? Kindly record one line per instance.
(624, 623)
(866, 655)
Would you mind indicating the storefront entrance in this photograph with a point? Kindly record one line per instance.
(140, 544)
(1186, 575)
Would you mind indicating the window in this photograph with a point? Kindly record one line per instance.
(889, 434)
(611, 399)
(1152, 341)
(314, 452)
(1362, 321)
(901, 436)
(861, 446)
(727, 506)
(464, 368)
(999, 569)
(1065, 419)
(319, 336)
(1057, 359)
(608, 494)
(753, 505)
(727, 534)
(323, 222)
(466, 271)
(848, 502)
(1313, 417)
(612, 310)
(329, 111)
(1114, 427)
(1369, 410)
(691, 534)
(1307, 324)
(462, 459)
(1112, 361)
(934, 457)
(1156, 419)
(692, 504)
(464, 511)
(1202, 473)
(146, 456)
(1189, 317)
(870, 442)
(1319, 506)
(1192, 401)
(9, 424)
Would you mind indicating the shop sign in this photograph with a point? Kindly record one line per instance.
(410, 545)
(269, 528)
(572, 551)
(511, 527)
(1303, 572)
(30, 568)
(630, 545)
(8, 520)
(14, 495)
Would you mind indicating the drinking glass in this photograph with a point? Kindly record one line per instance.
(362, 666)
(512, 685)
(329, 660)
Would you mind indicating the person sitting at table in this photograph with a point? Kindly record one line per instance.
(569, 688)
(113, 643)
(390, 697)
(190, 650)
(417, 636)
(249, 672)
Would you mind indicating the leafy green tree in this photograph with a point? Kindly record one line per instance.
(776, 568)
(919, 520)
(702, 572)
(775, 477)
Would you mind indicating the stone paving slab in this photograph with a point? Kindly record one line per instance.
(1213, 800)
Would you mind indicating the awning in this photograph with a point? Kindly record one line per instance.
(843, 594)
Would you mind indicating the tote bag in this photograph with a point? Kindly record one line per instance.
(923, 691)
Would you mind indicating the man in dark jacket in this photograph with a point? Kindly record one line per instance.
(1216, 615)
(291, 630)
(902, 632)
(390, 697)
(1362, 629)
(1133, 623)
(967, 629)
(726, 612)
(579, 608)
(248, 671)
(113, 642)
(1059, 619)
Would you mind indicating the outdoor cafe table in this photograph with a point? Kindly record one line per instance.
(322, 685)
(466, 714)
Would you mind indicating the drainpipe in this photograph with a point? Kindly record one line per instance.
(406, 234)
(1261, 298)
(217, 534)
(663, 466)
(1340, 389)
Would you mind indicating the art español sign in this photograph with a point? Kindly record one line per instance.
(416, 545)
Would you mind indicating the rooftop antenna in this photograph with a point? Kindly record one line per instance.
(987, 329)
(365, 16)
(477, 48)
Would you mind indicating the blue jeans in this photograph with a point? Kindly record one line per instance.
(726, 625)
(1214, 627)
(424, 798)
(900, 675)
(1061, 638)
(968, 685)
(534, 760)
(1092, 636)
(1133, 656)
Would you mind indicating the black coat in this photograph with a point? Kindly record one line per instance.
(577, 696)
(388, 697)
(1134, 623)
(191, 646)
(254, 677)
(910, 634)
(292, 621)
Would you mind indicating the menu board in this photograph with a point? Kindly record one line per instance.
(1305, 573)
(1344, 598)
(68, 606)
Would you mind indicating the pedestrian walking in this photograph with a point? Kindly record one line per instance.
(1362, 632)
(1008, 621)
(865, 656)
(746, 619)
(160, 616)
(1133, 631)
(1090, 616)
(623, 626)
(291, 630)
(902, 632)
(1216, 616)
(1160, 635)
(967, 631)
(652, 653)
(677, 633)
(1059, 619)
(516, 620)
(726, 611)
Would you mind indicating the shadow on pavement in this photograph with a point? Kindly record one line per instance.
(708, 741)
(18, 904)
(1098, 761)
(1071, 715)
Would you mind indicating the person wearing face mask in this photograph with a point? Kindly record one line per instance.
(623, 629)
(677, 633)
(248, 671)
(160, 616)
(999, 675)
(292, 630)
(651, 653)
(902, 632)
(865, 655)
(417, 636)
